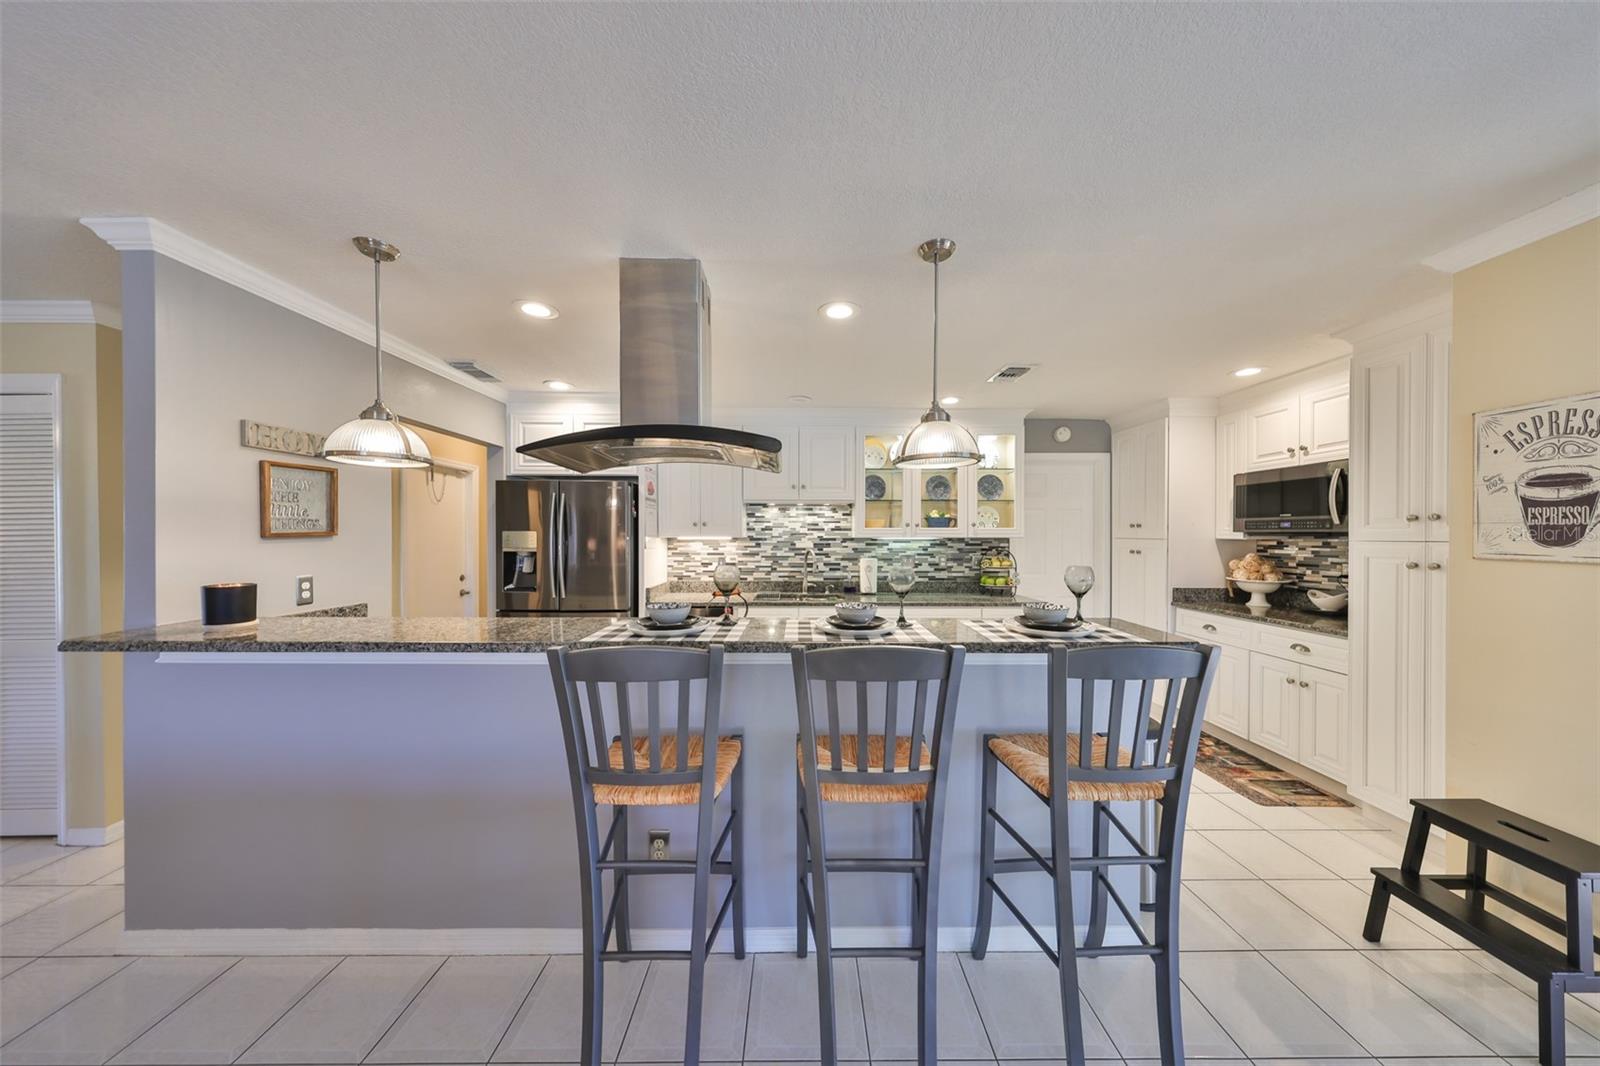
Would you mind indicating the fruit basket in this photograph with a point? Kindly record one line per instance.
(997, 573)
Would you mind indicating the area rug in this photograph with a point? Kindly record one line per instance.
(1257, 781)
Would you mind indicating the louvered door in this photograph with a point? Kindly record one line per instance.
(30, 618)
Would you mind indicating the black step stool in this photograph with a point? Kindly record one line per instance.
(1572, 862)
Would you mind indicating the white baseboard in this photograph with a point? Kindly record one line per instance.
(532, 941)
(92, 836)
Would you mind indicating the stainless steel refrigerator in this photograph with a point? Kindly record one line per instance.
(567, 544)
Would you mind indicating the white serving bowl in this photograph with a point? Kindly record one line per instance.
(1328, 601)
(1051, 614)
(1258, 591)
(667, 614)
(856, 613)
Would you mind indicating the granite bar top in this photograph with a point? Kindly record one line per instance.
(303, 634)
(1220, 602)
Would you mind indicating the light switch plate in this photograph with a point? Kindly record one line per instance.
(303, 591)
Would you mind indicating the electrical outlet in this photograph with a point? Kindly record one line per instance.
(302, 591)
(660, 844)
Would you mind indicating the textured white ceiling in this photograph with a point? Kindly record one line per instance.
(1144, 196)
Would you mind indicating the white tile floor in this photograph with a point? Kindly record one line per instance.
(1274, 967)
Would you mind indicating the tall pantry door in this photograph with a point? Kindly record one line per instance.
(30, 617)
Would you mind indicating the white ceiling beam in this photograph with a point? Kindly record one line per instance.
(139, 234)
(60, 312)
(1548, 220)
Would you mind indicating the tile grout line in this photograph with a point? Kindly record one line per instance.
(69, 1002)
(966, 982)
(297, 1001)
(749, 999)
(401, 1013)
(633, 1008)
(36, 906)
(518, 1012)
(175, 1007)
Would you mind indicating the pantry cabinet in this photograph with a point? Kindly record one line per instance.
(1139, 480)
(1400, 449)
(1139, 581)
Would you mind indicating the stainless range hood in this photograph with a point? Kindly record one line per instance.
(666, 383)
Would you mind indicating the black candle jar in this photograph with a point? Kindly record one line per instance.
(228, 604)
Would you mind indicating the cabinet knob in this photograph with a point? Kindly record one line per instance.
(1288, 681)
(1209, 628)
(1435, 566)
(802, 486)
(1301, 648)
(1304, 450)
(1305, 684)
(1411, 566)
(1435, 517)
(1411, 518)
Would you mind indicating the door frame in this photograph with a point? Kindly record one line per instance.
(1098, 464)
(469, 474)
(50, 385)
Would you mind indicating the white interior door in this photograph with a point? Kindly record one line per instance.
(439, 542)
(31, 698)
(1066, 521)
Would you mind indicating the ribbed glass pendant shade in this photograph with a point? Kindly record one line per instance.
(377, 438)
(937, 441)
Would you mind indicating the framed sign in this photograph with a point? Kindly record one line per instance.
(299, 500)
(1536, 481)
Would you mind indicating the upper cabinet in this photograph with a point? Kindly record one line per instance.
(1399, 451)
(972, 501)
(1230, 461)
(1139, 481)
(699, 500)
(817, 466)
(526, 423)
(1299, 425)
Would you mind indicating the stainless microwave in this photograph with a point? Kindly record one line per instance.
(1314, 498)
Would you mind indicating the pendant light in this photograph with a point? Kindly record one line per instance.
(936, 440)
(376, 437)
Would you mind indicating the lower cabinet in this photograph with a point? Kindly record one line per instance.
(1139, 581)
(1229, 707)
(1274, 705)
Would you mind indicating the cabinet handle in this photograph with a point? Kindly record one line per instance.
(1301, 648)
(1305, 684)
(1304, 450)
(1289, 452)
(1435, 566)
(1288, 681)
(1435, 517)
(1209, 628)
(1411, 566)
(1411, 518)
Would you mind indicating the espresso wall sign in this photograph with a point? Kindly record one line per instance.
(1537, 481)
(299, 501)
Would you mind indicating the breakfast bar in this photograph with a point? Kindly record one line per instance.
(390, 784)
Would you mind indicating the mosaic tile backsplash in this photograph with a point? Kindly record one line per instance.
(772, 532)
(1310, 562)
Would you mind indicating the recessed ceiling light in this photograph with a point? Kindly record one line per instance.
(799, 397)
(949, 401)
(558, 385)
(1248, 371)
(535, 309)
(838, 310)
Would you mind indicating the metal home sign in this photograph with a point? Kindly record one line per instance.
(279, 438)
(1537, 481)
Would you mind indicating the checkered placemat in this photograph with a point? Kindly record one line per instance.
(1002, 629)
(618, 633)
(810, 631)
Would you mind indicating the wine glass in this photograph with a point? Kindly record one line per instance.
(1079, 579)
(902, 579)
(726, 578)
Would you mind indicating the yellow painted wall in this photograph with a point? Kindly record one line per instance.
(89, 360)
(1523, 651)
(469, 453)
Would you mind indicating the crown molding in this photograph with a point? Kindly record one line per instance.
(1424, 315)
(60, 312)
(139, 234)
(1550, 219)
(1172, 407)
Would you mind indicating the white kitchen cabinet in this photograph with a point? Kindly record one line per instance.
(1272, 432)
(1230, 461)
(761, 486)
(1139, 481)
(1229, 707)
(1274, 704)
(1305, 424)
(1399, 454)
(1324, 721)
(1325, 422)
(1139, 582)
(526, 428)
(699, 500)
(896, 502)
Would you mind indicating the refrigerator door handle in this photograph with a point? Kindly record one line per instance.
(561, 544)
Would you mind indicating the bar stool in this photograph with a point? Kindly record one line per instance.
(839, 761)
(1076, 763)
(654, 763)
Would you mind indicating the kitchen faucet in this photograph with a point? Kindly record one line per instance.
(805, 575)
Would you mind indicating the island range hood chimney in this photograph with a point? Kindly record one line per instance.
(666, 383)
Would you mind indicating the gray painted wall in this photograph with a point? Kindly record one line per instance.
(1088, 435)
(201, 355)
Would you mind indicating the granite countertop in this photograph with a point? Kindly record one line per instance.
(794, 598)
(1219, 602)
(303, 633)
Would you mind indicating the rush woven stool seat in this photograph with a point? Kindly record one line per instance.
(622, 752)
(1103, 746)
(857, 753)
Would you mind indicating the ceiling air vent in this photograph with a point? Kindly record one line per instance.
(1013, 372)
(473, 370)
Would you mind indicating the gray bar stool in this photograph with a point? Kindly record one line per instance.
(1073, 763)
(840, 759)
(616, 760)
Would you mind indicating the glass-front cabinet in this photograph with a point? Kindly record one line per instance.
(973, 501)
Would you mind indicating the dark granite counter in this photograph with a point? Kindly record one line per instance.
(303, 634)
(1217, 602)
(788, 594)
